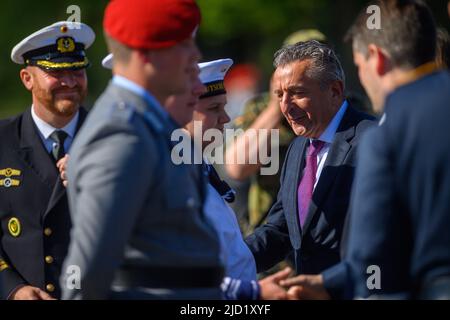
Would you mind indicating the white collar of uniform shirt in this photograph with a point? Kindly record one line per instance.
(45, 130)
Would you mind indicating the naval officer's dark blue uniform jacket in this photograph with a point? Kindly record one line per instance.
(34, 214)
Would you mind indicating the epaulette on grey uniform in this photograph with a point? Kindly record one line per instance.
(122, 111)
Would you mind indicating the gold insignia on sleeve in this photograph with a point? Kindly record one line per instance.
(8, 182)
(9, 172)
(3, 265)
(65, 44)
(14, 227)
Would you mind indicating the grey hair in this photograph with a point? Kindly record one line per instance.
(325, 66)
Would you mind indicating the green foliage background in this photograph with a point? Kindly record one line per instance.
(245, 30)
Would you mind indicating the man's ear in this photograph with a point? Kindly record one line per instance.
(448, 8)
(337, 89)
(27, 78)
(143, 55)
(381, 60)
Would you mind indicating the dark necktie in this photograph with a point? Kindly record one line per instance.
(59, 137)
(225, 191)
(306, 186)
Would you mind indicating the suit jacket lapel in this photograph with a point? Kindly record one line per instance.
(58, 189)
(33, 152)
(82, 116)
(298, 156)
(337, 153)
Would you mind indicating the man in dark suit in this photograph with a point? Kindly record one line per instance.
(317, 175)
(398, 243)
(401, 207)
(35, 221)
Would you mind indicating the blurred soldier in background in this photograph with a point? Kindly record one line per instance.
(139, 229)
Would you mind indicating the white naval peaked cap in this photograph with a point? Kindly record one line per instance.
(212, 74)
(107, 61)
(214, 70)
(58, 46)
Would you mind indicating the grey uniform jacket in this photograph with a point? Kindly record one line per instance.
(130, 204)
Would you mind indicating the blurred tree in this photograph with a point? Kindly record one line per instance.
(247, 31)
(252, 30)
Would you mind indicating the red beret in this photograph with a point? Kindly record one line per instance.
(151, 24)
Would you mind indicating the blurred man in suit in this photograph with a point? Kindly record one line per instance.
(401, 208)
(400, 212)
(35, 220)
(139, 230)
(317, 175)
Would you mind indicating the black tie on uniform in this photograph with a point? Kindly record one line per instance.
(221, 186)
(59, 137)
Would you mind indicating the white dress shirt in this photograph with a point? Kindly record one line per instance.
(328, 136)
(45, 130)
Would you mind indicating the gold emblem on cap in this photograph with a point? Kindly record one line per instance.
(65, 44)
(218, 86)
(14, 227)
(63, 28)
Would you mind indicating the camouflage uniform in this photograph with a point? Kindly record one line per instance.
(263, 188)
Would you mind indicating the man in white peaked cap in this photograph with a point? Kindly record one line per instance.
(240, 280)
(33, 204)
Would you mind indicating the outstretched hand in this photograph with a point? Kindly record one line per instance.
(270, 286)
(306, 287)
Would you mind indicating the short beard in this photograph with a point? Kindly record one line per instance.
(65, 108)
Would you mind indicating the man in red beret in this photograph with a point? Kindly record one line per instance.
(138, 227)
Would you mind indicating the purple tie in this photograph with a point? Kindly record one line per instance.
(306, 187)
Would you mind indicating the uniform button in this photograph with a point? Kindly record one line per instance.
(48, 232)
(49, 259)
(50, 287)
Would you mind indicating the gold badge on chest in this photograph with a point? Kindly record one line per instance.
(14, 227)
(8, 177)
